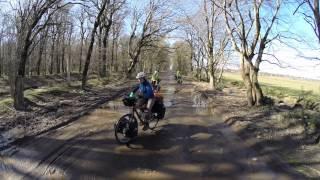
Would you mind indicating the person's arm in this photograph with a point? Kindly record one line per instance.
(135, 88)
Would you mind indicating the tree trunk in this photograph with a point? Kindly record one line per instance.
(245, 72)
(69, 57)
(88, 58)
(211, 74)
(42, 48)
(45, 60)
(192, 55)
(87, 62)
(211, 80)
(63, 68)
(104, 53)
(81, 52)
(18, 96)
(133, 63)
(28, 68)
(256, 87)
(40, 58)
(112, 54)
(68, 70)
(57, 58)
(1, 59)
(100, 60)
(52, 57)
(116, 64)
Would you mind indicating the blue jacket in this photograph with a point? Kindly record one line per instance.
(146, 89)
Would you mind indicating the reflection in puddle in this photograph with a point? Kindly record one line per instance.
(171, 90)
(200, 100)
(168, 103)
(114, 105)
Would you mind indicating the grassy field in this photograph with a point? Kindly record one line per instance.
(284, 88)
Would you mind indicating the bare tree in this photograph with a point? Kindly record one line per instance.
(1, 46)
(206, 31)
(1, 40)
(148, 27)
(107, 22)
(116, 30)
(244, 21)
(53, 34)
(42, 47)
(31, 18)
(83, 31)
(311, 14)
(101, 9)
(69, 60)
(214, 52)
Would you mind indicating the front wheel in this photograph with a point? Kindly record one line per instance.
(126, 129)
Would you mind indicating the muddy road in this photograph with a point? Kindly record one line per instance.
(190, 143)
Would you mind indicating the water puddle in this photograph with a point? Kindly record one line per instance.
(200, 100)
(115, 105)
(168, 103)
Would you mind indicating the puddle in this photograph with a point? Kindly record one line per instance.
(10, 136)
(200, 101)
(15, 133)
(171, 90)
(114, 105)
(168, 103)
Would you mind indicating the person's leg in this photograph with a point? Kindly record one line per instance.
(150, 104)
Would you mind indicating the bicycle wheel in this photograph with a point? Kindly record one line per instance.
(125, 129)
(153, 122)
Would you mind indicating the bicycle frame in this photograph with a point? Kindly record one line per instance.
(135, 112)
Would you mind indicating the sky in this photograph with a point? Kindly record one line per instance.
(291, 55)
(290, 52)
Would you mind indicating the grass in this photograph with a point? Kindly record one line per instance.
(6, 104)
(283, 88)
(284, 82)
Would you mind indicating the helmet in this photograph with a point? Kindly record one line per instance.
(140, 75)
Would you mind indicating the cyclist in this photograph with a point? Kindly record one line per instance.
(145, 96)
(155, 81)
(155, 77)
(178, 76)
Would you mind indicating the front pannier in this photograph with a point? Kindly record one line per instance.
(129, 101)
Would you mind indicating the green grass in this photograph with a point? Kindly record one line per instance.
(284, 82)
(5, 105)
(283, 88)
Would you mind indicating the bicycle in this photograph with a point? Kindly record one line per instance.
(126, 127)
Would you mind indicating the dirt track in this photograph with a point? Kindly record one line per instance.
(190, 143)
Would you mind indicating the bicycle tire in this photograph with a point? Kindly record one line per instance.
(121, 128)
